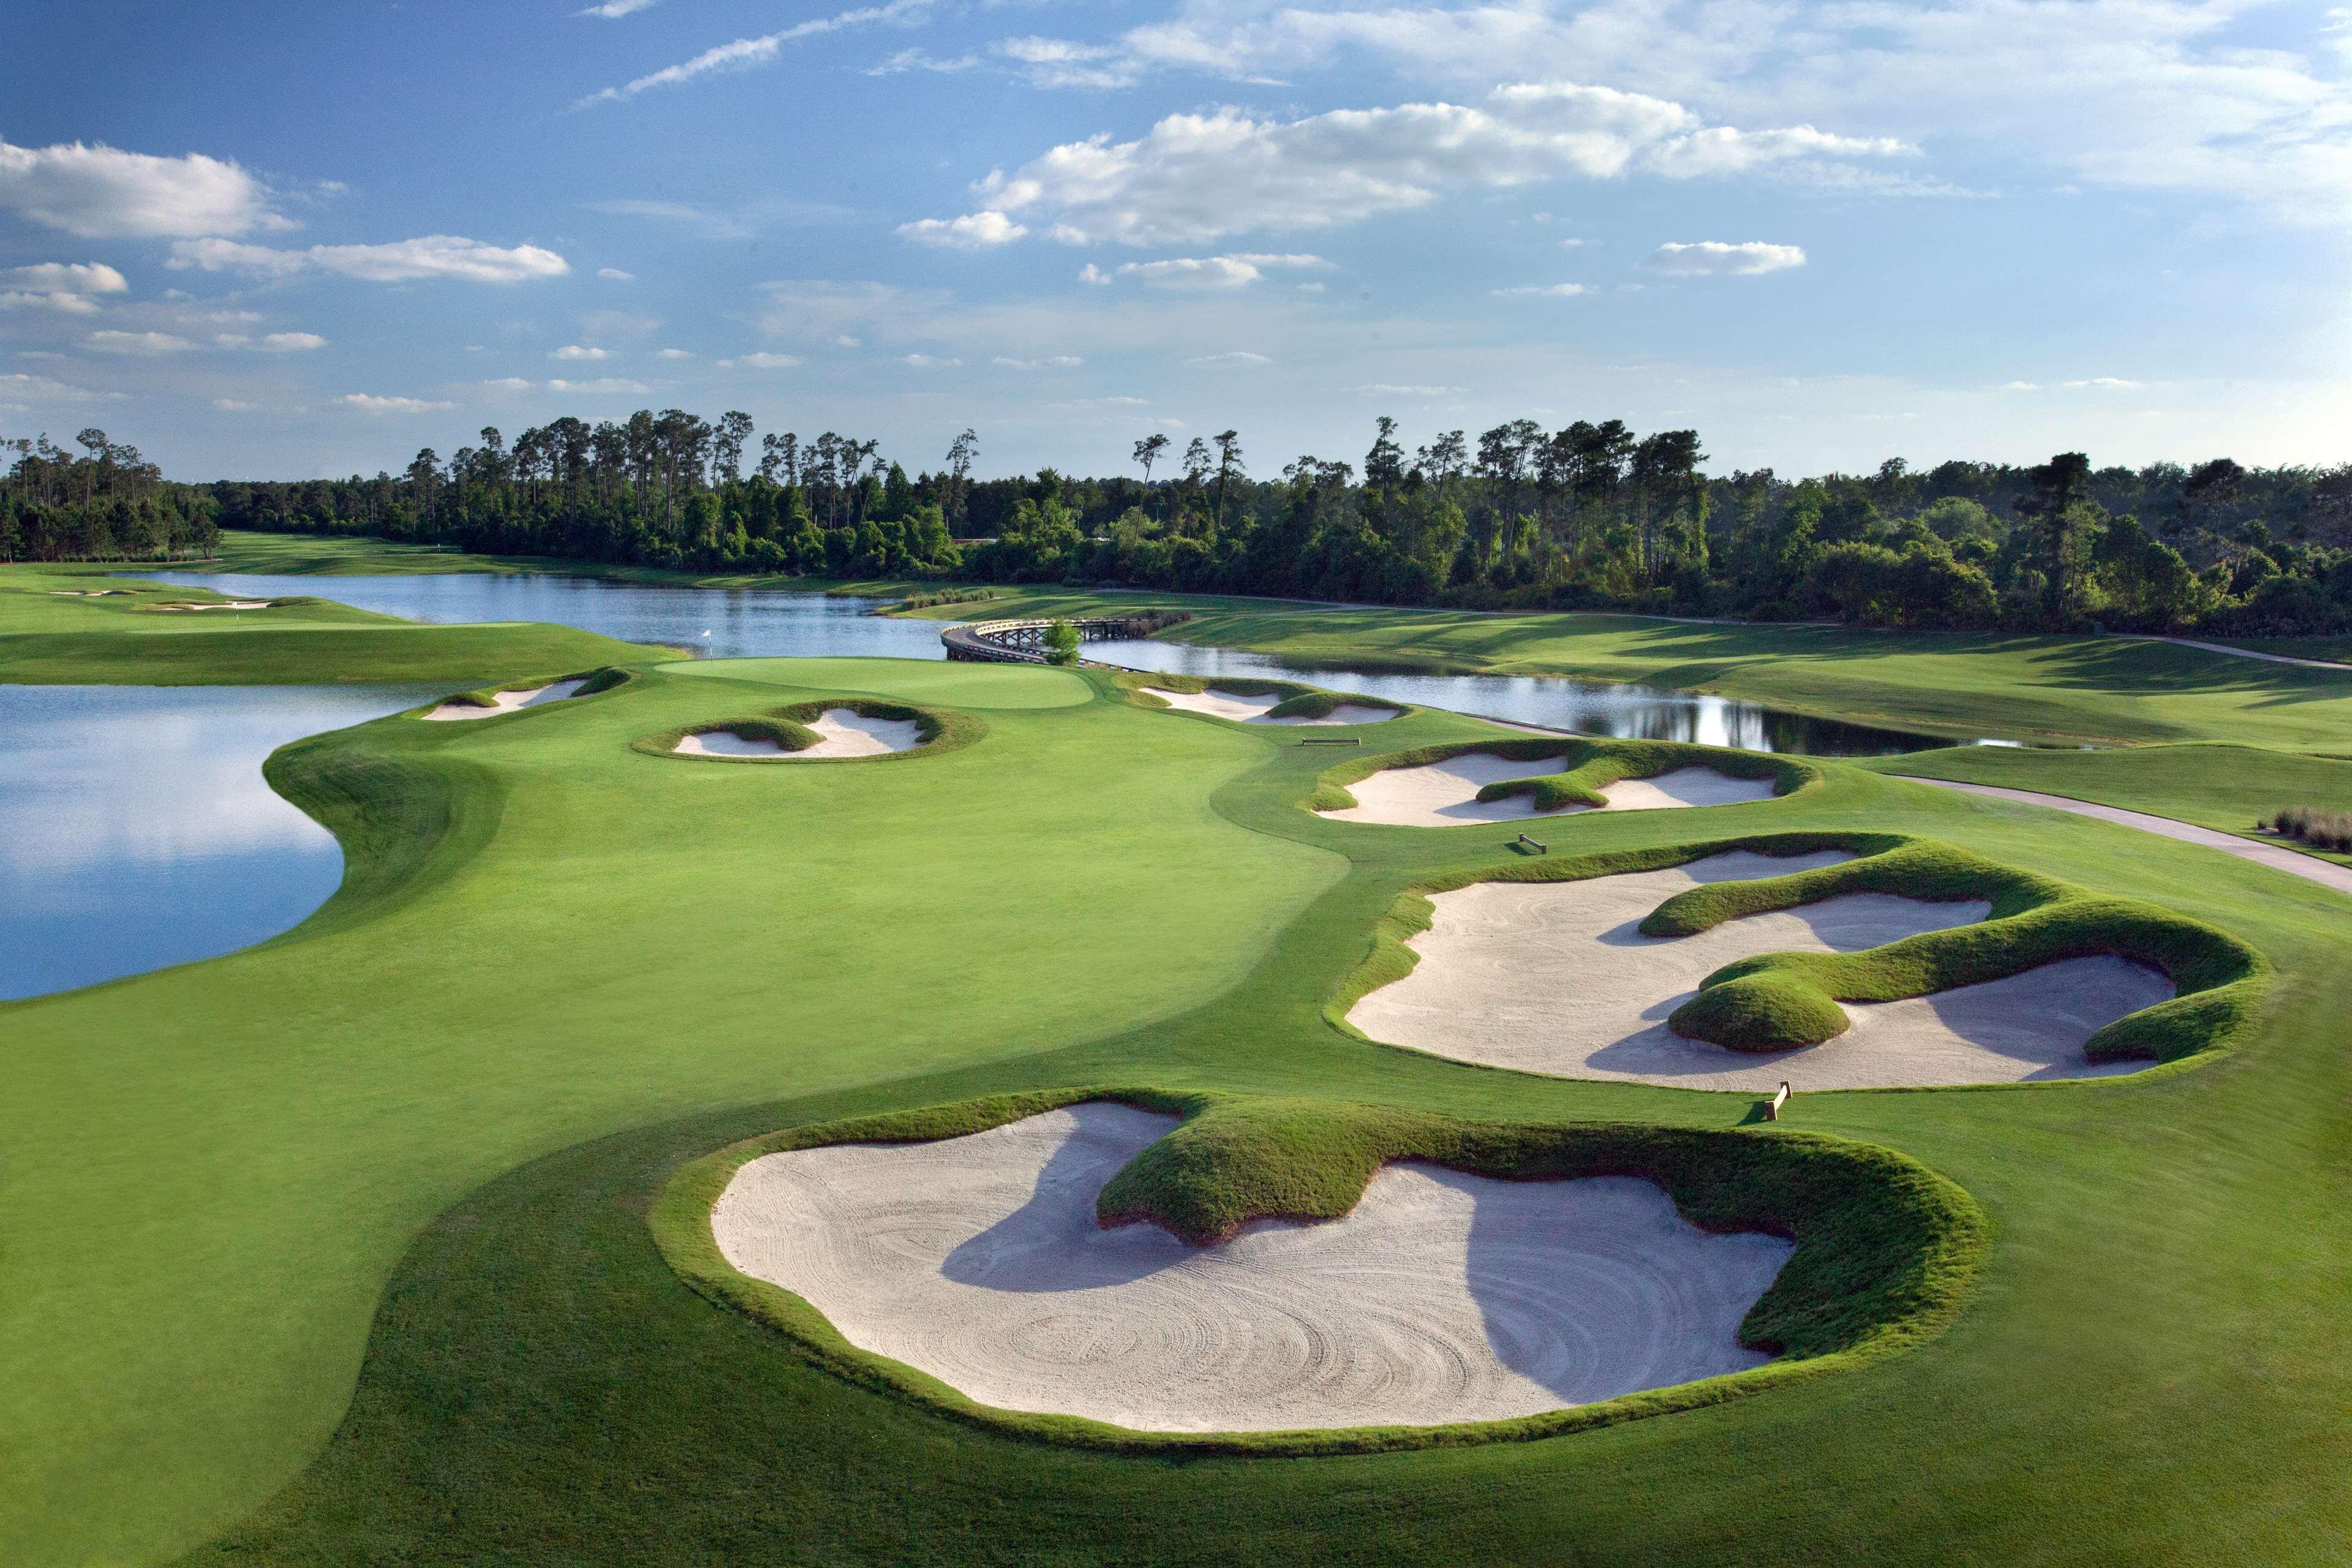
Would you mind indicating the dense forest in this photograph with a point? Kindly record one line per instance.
(107, 504)
(1591, 516)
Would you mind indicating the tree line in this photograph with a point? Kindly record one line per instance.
(107, 503)
(1593, 515)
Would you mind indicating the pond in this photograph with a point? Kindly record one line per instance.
(767, 623)
(136, 830)
(716, 622)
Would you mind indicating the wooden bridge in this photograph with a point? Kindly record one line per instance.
(1024, 642)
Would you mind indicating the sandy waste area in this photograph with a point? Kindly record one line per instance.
(508, 701)
(1440, 1298)
(1244, 708)
(841, 733)
(1446, 795)
(1556, 977)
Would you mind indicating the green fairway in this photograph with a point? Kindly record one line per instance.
(49, 634)
(576, 968)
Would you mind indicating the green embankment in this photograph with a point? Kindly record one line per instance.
(49, 636)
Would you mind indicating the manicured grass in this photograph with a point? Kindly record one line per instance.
(936, 730)
(2038, 688)
(51, 639)
(1299, 701)
(2228, 788)
(1885, 1249)
(1593, 765)
(336, 1249)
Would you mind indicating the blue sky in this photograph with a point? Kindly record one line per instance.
(282, 241)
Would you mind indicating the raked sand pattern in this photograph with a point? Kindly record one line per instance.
(1556, 977)
(1440, 1298)
(1242, 708)
(1445, 794)
(508, 701)
(841, 733)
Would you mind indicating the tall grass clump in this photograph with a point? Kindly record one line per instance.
(2312, 825)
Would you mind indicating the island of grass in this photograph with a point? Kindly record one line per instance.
(1723, 966)
(1457, 783)
(1144, 1267)
(1248, 699)
(827, 730)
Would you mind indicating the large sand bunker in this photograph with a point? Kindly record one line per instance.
(1445, 794)
(510, 702)
(1242, 708)
(223, 604)
(1440, 1298)
(1556, 977)
(841, 733)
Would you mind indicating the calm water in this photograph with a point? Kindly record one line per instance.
(761, 622)
(136, 830)
(1554, 702)
(721, 623)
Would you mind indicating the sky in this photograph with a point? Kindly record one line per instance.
(290, 241)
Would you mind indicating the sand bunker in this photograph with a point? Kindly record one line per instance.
(841, 733)
(224, 604)
(1446, 795)
(1556, 977)
(1440, 1298)
(1244, 708)
(510, 702)
(88, 593)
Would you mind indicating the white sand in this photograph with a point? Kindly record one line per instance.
(1446, 795)
(88, 593)
(508, 701)
(841, 733)
(1556, 977)
(224, 604)
(1440, 1298)
(1242, 708)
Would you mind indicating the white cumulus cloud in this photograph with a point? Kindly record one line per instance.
(398, 262)
(1051, 362)
(1543, 291)
(1718, 259)
(1201, 176)
(579, 352)
(368, 403)
(66, 286)
(974, 231)
(103, 193)
(1232, 357)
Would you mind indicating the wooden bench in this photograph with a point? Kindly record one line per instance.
(1332, 741)
(1539, 849)
(1780, 1097)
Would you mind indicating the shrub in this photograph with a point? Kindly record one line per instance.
(2314, 826)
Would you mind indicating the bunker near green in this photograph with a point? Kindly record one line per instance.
(1441, 1297)
(1445, 794)
(1558, 978)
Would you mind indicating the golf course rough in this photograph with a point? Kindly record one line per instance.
(1508, 779)
(1878, 1252)
(822, 730)
(2159, 988)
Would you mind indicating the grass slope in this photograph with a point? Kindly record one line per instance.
(49, 639)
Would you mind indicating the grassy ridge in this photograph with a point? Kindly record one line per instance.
(1594, 764)
(1885, 1249)
(49, 639)
(1299, 701)
(936, 730)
